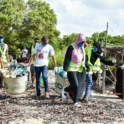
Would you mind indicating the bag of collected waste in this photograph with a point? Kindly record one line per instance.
(16, 80)
(60, 83)
(15, 86)
(60, 80)
(61, 72)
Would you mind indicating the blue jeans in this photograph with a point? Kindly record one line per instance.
(38, 71)
(89, 84)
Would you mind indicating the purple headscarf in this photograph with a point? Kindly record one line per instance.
(80, 38)
(77, 54)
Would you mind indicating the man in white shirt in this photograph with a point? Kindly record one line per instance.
(41, 55)
(24, 54)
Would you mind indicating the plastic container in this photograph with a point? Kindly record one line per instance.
(15, 86)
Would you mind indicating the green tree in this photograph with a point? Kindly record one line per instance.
(20, 22)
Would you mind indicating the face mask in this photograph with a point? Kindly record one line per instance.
(36, 43)
(1, 40)
(44, 44)
(80, 45)
(95, 50)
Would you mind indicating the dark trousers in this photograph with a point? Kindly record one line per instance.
(77, 81)
(1, 80)
(38, 71)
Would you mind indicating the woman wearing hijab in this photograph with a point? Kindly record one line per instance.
(95, 57)
(74, 64)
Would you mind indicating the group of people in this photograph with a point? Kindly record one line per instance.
(82, 68)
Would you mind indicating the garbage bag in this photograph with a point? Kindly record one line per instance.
(19, 71)
(61, 72)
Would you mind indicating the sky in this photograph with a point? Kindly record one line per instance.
(89, 16)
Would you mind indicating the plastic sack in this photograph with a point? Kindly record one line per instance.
(61, 72)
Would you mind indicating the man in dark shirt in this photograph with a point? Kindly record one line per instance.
(95, 57)
(31, 52)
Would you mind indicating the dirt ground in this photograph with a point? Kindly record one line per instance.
(26, 109)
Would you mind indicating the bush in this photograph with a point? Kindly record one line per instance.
(59, 59)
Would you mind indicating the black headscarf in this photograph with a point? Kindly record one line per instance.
(96, 55)
(98, 46)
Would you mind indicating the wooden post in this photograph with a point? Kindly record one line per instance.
(114, 74)
(104, 73)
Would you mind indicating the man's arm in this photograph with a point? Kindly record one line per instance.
(32, 59)
(2, 64)
(7, 55)
(51, 53)
(54, 60)
(29, 55)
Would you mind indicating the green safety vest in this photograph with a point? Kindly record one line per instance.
(4, 57)
(32, 52)
(97, 65)
(77, 67)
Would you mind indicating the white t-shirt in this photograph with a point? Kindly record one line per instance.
(24, 53)
(42, 54)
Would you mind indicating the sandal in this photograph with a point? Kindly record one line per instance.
(47, 95)
(38, 97)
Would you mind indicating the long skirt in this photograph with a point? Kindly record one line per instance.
(77, 84)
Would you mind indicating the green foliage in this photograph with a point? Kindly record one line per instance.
(20, 22)
(59, 58)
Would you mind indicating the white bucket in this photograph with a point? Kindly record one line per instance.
(60, 83)
(15, 86)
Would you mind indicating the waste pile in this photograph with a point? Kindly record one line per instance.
(15, 69)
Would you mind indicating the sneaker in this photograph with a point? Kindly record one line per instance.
(64, 94)
(77, 105)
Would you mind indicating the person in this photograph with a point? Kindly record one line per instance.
(24, 54)
(1, 71)
(74, 64)
(95, 57)
(41, 55)
(4, 50)
(30, 55)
